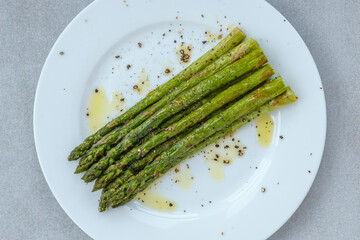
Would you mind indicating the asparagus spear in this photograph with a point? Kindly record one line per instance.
(214, 104)
(87, 161)
(93, 156)
(165, 161)
(280, 101)
(233, 39)
(250, 62)
(236, 53)
(141, 163)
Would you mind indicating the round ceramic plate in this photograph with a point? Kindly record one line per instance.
(100, 49)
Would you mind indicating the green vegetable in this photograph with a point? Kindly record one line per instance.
(199, 114)
(99, 151)
(168, 159)
(230, 41)
(93, 156)
(280, 101)
(140, 164)
(248, 63)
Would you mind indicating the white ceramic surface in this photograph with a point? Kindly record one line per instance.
(239, 208)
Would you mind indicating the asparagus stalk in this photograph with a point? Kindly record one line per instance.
(248, 63)
(165, 161)
(280, 101)
(141, 163)
(233, 39)
(236, 53)
(95, 154)
(214, 104)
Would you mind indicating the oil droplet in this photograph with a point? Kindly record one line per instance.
(183, 53)
(183, 177)
(221, 154)
(212, 37)
(155, 200)
(230, 27)
(99, 110)
(264, 126)
(142, 85)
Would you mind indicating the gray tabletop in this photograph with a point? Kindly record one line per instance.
(29, 28)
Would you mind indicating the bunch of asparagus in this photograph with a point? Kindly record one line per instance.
(220, 92)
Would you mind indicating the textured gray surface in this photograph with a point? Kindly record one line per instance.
(29, 28)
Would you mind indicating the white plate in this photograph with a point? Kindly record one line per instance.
(239, 208)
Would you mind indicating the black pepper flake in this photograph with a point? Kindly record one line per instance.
(87, 114)
(177, 170)
(96, 90)
(135, 87)
(167, 70)
(226, 146)
(170, 204)
(217, 145)
(117, 56)
(281, 137)
(175, 41)
(122, 99)
(203, 42)
(140, 45)
(236, 146)
(128, 66)
(309, 171)
(263, 189)
(202, 15)
(61, 53)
